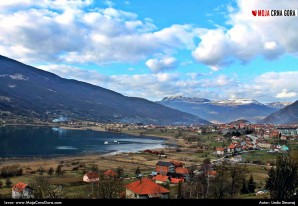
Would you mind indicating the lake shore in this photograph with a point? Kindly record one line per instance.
(109, 160)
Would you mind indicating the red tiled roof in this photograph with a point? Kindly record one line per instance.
(161, 178)
(177, 163)
(212, 172)
(176, 180)
(232, 146)
(146, 187)
(220, 149)
(110, 173)
(182, 170)
(92, 175)
(19, 186)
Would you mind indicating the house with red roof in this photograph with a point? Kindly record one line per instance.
(182, 170)
(145, 188)
(21, 191)
(91, 177)
(177, 163)
(231, 148)
(176, 180)
(164, 167)
(161, 179)
(110, 173)
(220, 151)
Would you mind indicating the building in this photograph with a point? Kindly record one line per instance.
(21, 191)
(164, 167)
(91, 177)
(161, 179)
(220, 151)
(288, 131)
(144, 188)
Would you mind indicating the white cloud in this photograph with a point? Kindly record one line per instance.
(109, 3)
(166, 63)
(67, 31)
(286, 94)
(248, 36)
(267, 87)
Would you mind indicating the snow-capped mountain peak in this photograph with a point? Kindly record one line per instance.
(238, 101)
(278, 105)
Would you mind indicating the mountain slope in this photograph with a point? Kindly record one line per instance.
(224, 111)
(287, 115)
(30, 92)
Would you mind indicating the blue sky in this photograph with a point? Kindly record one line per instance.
(211, 49)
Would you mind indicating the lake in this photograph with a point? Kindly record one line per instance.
(28, 141)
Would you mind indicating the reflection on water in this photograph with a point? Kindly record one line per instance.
(18, 141)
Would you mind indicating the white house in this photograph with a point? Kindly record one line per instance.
(91, 177)
(21, 191)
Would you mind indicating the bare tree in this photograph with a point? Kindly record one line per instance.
(106, 188)
(43, 190)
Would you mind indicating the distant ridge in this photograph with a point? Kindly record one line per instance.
(287, 115)
(222, 111)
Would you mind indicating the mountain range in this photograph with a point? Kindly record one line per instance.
(28, 92)
(223, 111)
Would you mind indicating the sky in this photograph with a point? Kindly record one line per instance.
(152, 49)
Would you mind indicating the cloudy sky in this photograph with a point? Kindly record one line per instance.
(212, 49)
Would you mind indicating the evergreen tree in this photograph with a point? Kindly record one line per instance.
(251, 185)
(8, 183)
(119, 172)
(282, 179)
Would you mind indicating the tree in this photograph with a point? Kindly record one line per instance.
(138, 171)
(237, 173)
(282, 179)
(51, 171)
(59, 170)
(244, 189)
(40, 170)
(8, 183)
(220, 184)
(1, 184)
(94, 168)
(119, 172)
(251, 186)
(107, 188)
(43, 190)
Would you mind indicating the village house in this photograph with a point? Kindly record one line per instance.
(91, 177)
(21, 191)
(161, 179)
(264, 145)
(220, 151)
(231, 148)
(183, 171)
(164, 167)
(144, 188)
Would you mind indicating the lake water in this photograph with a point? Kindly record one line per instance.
(24, 141)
